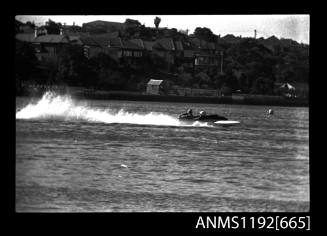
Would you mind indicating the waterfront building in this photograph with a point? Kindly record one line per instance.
(154, 87)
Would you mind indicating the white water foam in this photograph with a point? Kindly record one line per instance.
(55, 106)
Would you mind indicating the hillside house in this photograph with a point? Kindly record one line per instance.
(206, 60)
(204, 46)
(165, 48)
(179, 49)
(91, 47)
(47, 46)
(27, 29)
(188, 49)
(125, 48)
(131, 49)
(26, 38)
(75, 40)
(114, 47)
(205, 53)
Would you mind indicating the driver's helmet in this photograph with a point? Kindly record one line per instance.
(202, 113)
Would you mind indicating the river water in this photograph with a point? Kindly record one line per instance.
(122, 156)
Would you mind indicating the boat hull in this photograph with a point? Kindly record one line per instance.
(206, 118)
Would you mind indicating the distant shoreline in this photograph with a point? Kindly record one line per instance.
(81, 93)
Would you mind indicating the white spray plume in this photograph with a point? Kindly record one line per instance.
(55, 106)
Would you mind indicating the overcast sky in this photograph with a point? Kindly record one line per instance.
(295, 27)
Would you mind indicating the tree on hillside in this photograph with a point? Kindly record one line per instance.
(157, 21)
(132, 27)
(17, 25)
(132, 23)
(72, 66)
(31, 24)
(147, 33)
(293, 64)
(205, 34)
(75, 28)
(185, 32)
(52, 27)
(25, 62)
(255, 62)
(110, 74)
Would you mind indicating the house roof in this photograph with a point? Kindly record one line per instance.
(25, 37)
(115, 42)
(75, 39)
(202, 44)
(155, 82)
(48, 38)
(165, 43)
(26, 29)
(130, 45)
(108, 34)
(148, 45)
(72, 33)
(89, 41)
(51, 38)
(114, 34)
(138, 42)
(103, 41)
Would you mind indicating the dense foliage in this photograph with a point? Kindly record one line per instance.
(205, 34)
(52, 27)
(25, 63)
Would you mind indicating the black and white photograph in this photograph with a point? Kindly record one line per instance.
(162, 113)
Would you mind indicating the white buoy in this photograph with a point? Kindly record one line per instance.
(124, 166)
(270, 111)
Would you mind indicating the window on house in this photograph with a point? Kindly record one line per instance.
(87, 52)
(137, 54)
(128, 53)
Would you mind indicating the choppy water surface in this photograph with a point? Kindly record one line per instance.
(95, 155)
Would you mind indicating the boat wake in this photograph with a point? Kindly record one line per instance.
(53, 106)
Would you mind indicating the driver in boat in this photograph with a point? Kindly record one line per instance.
(202, 113)
(189, 112)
